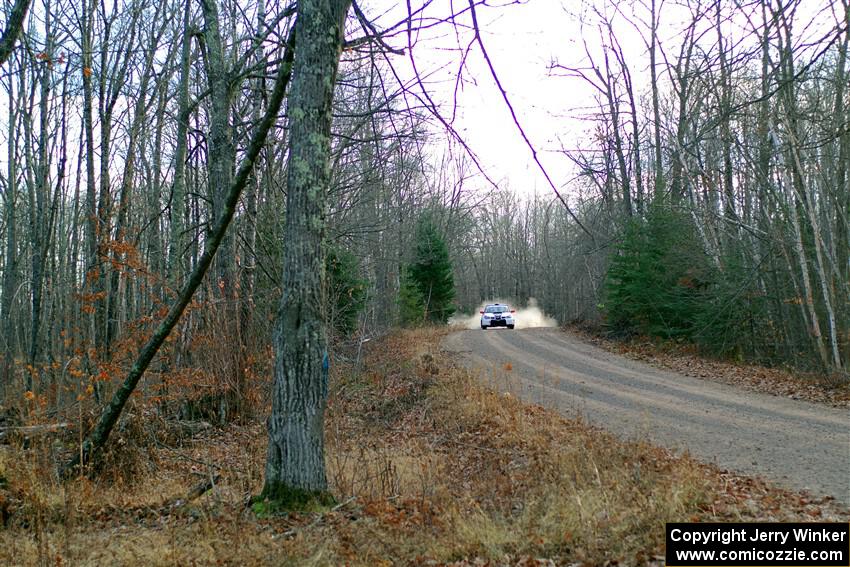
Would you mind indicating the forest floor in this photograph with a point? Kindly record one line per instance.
(428, 467)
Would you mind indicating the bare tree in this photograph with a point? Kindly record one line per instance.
(14, 25)
(295, 465)
(112, 411)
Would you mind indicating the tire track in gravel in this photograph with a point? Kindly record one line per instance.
(795, 443)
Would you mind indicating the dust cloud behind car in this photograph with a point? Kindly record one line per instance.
(528, 317)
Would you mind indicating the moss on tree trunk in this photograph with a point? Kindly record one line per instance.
(295, 465)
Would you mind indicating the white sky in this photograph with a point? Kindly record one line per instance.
(521, 50)
(522, 40)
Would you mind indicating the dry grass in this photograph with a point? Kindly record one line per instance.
(428, 467)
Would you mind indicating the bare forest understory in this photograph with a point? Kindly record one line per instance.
(426, 466)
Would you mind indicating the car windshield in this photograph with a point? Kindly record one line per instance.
(496, 309)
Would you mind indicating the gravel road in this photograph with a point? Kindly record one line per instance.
(795, 443)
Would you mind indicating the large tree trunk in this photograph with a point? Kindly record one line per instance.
(295, 465)
(656, 113)
(10, 269)
(222, 154)
(178, 196)
(37, 204)
(14, 25)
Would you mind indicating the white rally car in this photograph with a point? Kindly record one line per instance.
(497, 315)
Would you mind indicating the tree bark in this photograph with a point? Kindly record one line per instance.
(178, 194)
(222, 154)
(295, 465)
(38, 203)
(10, 269)
(14, 25)
(656, 112)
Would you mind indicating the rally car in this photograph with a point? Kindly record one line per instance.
(497, 315)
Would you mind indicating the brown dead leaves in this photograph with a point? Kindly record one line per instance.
(428, 467)
(685, 360)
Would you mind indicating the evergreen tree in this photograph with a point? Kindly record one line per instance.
(431, 272)
(410, 307)
(734, 320)
(346, 290)
(657, 279)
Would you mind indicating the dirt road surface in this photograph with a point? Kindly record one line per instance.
(795, 443)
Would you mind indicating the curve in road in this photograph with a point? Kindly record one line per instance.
(796, 443)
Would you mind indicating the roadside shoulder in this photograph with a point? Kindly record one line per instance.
(678, 358)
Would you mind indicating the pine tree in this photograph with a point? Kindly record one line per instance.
(346, 290)
(410, 307)
(657, 279)
(431, 272)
